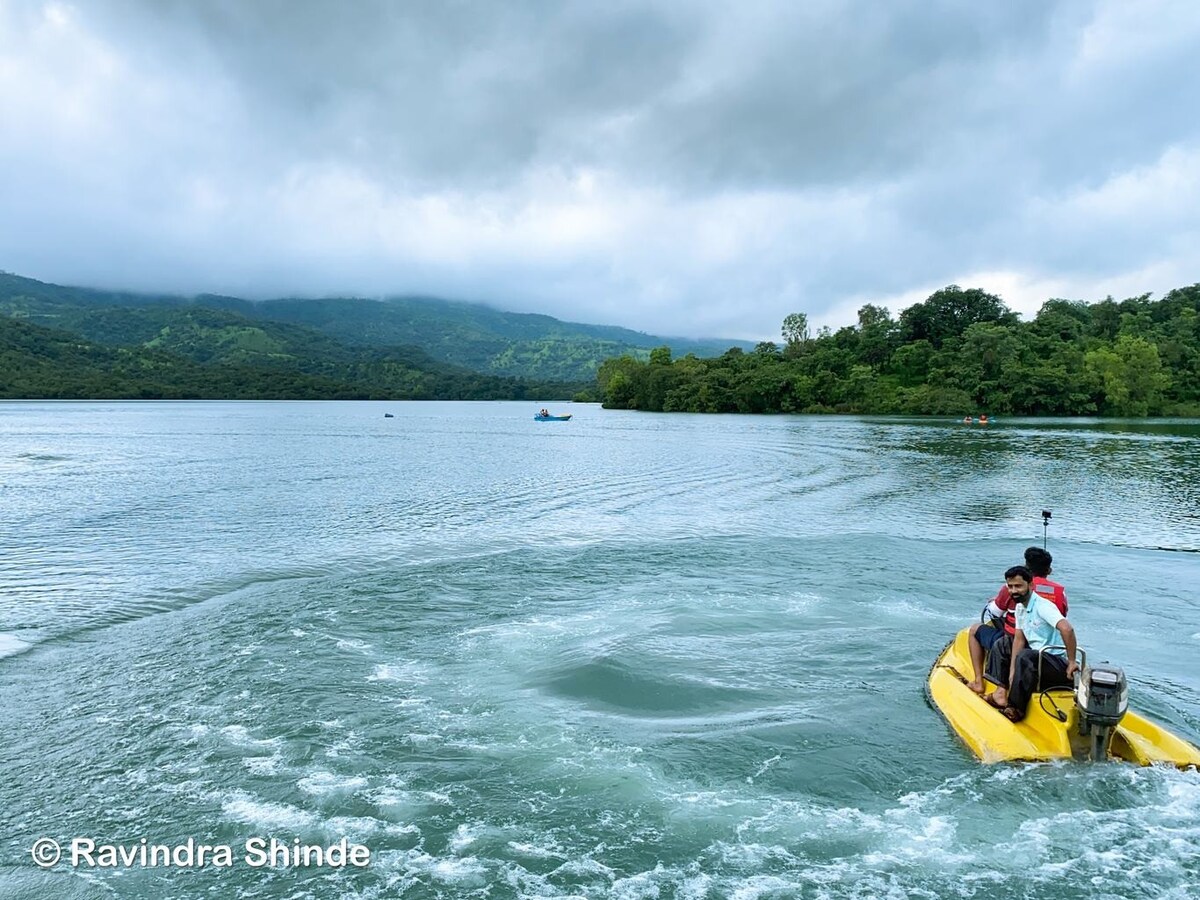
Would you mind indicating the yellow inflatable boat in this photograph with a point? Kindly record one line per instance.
(1091, 722)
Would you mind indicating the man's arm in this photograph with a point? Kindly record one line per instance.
(1068, 636)
(998, 605)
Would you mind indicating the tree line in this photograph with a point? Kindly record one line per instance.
(961, 351)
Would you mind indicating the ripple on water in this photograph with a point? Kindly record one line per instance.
(10, 645)
(642, 660)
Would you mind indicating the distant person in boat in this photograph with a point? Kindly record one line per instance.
(995, 636)
(967, 420)
(1040, 626)
(545, 414)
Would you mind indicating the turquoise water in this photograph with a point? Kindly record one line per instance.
(627, 656)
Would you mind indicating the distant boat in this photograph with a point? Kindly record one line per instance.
(540, 418)
(388, 416)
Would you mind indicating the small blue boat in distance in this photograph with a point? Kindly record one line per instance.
(538, 417)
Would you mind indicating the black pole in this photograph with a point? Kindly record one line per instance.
(1045, 526)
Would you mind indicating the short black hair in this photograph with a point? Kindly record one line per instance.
(1038, 561)
(1021, 572)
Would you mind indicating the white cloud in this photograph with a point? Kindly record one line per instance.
(683, 169)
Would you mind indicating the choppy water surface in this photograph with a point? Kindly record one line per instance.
(628, 656)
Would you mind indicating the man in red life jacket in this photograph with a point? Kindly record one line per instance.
(996, 636)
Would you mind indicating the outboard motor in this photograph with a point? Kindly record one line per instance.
(1102, 698)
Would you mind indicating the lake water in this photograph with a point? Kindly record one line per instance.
(628, 656)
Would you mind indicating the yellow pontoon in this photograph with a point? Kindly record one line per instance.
(1090, 722)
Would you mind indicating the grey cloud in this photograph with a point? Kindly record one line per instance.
(754, 95)
(747, 159)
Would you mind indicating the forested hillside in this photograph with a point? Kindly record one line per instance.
(229, 359)
(461, 334)
(959, 352)
(481, 338)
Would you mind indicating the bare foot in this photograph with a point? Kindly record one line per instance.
(999, 698)
(976, 686)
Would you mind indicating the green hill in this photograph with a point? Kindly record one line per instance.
(482, 338)
(183, 351)
(475, 337)
(37, 362)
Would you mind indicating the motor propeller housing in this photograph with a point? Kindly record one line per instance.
(1102, 697)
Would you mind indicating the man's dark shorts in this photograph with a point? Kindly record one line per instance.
(988, 635)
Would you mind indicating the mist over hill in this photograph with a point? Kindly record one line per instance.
(480, 338)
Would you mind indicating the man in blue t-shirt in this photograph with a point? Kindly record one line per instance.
(1040, 626)
(996, 636)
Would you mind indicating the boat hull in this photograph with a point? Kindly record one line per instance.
(1050, 729)
(566, 418)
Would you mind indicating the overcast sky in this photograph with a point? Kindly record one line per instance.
(683, 168)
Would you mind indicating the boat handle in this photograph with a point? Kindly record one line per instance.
(1082, 662)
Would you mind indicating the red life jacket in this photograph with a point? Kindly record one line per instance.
(1043, 587)
(1052, 591)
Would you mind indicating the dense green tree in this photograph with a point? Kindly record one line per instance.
(959, 351)
(878, 334)
(950, 312)
(1131, 376)
(795, 331)
(660, 356)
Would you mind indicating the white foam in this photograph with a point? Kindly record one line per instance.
(239, 735)
(353, 826)
(245, 808)
(418, 738)
(263, 765)
(585, 866)
(698, 887)
(536, 851)
(397, 672)
(349, 743)
(761, 770)
(763, 885)
(746, 855)
(10, 645)
(465, 835)
(451, 870)
(390, 797)
(323, 783)
(639, 886)
(903, 608)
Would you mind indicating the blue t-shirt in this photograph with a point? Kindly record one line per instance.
(1039, 619)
